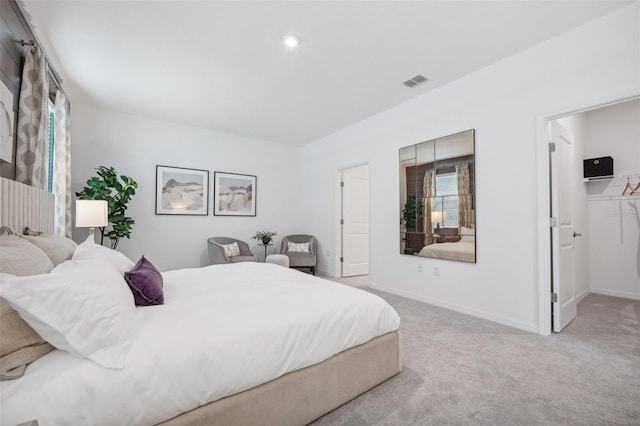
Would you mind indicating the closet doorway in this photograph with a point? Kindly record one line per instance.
(595, 223)
(354, 221)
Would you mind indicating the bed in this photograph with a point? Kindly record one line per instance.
(461, 250)
(232, 344)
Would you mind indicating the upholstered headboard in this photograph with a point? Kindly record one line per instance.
(23, 205)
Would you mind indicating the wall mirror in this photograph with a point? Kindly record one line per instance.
(437, 202)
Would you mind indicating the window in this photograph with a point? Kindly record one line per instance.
(447, 198)
(51, 146)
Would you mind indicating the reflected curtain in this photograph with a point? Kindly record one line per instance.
(465, 212)
(62, 166)
(33, 115)
(429, 192)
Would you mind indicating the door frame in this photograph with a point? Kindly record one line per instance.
(543, 201)
(339, 210)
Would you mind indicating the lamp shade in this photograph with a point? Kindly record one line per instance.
(91, 213)
(438, 216)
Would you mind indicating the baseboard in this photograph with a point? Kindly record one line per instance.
(533, 328)
(616, 293)
(582, 295)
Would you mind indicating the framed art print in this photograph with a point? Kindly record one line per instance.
(182, 191)
(234, 194)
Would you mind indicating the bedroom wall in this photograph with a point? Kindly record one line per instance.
(614, 227)
(502, 102)
(135, 145)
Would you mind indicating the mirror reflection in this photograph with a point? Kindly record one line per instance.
(437, 203)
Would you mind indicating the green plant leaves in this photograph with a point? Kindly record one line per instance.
(117, 190)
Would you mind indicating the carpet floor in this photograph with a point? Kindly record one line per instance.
(461, 370)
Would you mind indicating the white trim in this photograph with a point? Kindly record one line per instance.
(615, 293)
(543, 204)
(582, 295)
(531, 327)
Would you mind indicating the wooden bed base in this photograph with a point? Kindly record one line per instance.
(299, 397)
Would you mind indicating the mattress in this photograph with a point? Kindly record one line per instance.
(223, 329)
(461, 250)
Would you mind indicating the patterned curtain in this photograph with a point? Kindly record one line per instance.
(429, 191)
(465, 213)
(62, 166)
(33, 115)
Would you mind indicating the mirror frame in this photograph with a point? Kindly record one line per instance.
(427, 221)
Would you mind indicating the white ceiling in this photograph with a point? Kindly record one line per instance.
(222, 65)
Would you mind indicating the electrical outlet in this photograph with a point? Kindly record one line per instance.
(419, 267)
(327, 253)
(436, 271)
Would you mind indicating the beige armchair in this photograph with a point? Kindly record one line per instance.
(299, 259)
(217, 255)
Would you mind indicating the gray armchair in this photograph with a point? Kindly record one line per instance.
(216, 251)
(301, 260)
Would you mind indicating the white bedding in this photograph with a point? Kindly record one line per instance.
(223, 329)
(462, 250)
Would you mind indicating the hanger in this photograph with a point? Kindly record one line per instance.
(635, 189)
(630, 188)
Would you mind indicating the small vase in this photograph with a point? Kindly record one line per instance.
(266, 241)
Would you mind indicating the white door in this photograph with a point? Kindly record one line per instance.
(562, 234)
(355, 218)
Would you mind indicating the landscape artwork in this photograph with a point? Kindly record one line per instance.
(234, 194)
(182, 191)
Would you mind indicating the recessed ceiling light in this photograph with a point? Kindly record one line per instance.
(291, 41)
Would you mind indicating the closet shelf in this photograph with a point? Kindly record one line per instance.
(612, 197)
(598, 179)
(625, 187)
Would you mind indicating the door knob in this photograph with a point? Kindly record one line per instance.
(577, 234)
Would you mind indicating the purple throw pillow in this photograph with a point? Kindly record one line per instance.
(145, 282)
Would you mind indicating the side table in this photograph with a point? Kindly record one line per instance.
(265, 249)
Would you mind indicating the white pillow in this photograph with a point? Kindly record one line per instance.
(90, 251)
(19, 257)
(468, 239)
(298, 247)
(467, 231)
(57, 247)
(85, 308)
(468, 235)
(231, 250)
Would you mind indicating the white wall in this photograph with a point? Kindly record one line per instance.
(134, 146)
(576, 124)
(502, 102)
(614, 227)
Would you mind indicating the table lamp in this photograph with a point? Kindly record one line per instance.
(91, 214)
(437, 217)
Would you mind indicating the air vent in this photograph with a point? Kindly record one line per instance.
(414, 81)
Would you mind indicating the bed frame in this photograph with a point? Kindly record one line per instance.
(299, 397)
(296, 398)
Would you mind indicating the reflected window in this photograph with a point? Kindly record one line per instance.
(446, 202)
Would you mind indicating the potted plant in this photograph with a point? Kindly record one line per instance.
(412, 212)
(117, 190)
(265, 236)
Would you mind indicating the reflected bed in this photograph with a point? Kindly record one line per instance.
(462, 250)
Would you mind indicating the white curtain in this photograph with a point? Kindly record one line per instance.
(465, 213)
(62, 166)
(33, 116)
